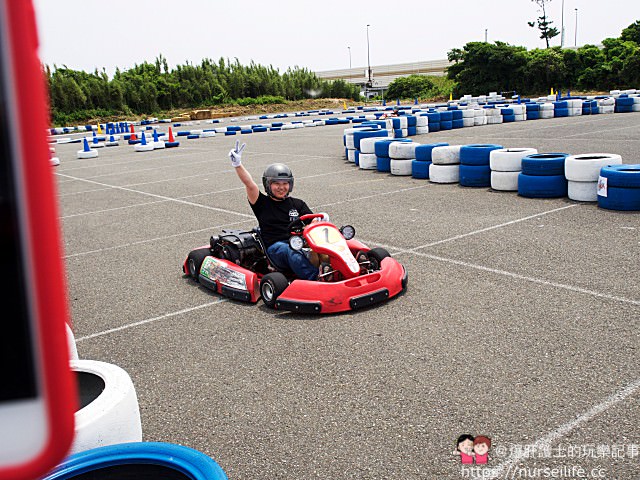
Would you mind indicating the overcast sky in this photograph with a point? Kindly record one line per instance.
(89, 34)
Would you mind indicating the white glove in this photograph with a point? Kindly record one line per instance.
(235, 154)
(325, 217)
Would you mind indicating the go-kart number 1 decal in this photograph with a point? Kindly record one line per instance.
(332, 239)
(324, 236)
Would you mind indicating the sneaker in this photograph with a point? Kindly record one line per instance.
(363, 259)
(325, 272)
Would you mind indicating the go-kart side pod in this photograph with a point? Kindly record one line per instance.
(307, 296)
(222, 276)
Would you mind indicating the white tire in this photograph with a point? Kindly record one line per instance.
(71, 344)
(447, 155)
(403, 133)
(401, 166)
(520, 117)
(351, 155)
(90, 154)
(546, 113)
(402, 150)
(479, 112)
(469, 113)
(504, 181)
(110, 414)
(63, 140)
(349, 141)
(582, 191)
(545, 107)
(492, 112)
(404, 122)
(368, 145)
(509, 159)
(368, 161)
(444, 173)
(586, 167)
(478, 121)
(468, 121)
(494, 120)
(423, 130)
(208, 134)
(422, 121)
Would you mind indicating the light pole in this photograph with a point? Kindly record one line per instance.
(562, 27)
(575, 39)
(485, 34)
(368, 60)
(349, 57)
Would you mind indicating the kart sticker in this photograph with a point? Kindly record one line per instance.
(215, 270)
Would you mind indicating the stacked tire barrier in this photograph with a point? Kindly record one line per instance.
(474, 165)
(422, 162)
(401, 155)
(542, 176)
(619, 187)
(367, 159)
(445, 164)
(383, 161)
(582, 173)
(366, 132)
(506, 165)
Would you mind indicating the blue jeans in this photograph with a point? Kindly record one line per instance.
(284, 257)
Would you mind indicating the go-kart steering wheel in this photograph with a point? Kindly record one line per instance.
(298, 225)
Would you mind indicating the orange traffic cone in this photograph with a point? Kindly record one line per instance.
(133, 134)
(171, 143)
(171, 135)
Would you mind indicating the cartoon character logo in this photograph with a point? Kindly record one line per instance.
(473, 449)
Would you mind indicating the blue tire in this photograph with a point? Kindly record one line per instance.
(458, 123)
(532, 107)
(508, 118)
(423, 152)
(624, 101)
(620, 198)
(434, 127)
(544, 164)
(475, 176)
(623, 108)
(446, 124)
(624, 176)
(457, 115)
(561, 112)
(367, 133)
(534, 186)
(139, 460)
(446, 116)
(477, 153)
(412, 131)
(433, 117)
(508, 111)
(171, 144)
(193, 137)
(383, 164)
(183, 133)
(563, 104)
(356, 156)
(411, 121)
(420, 169)
(533, 115)
(230, 132)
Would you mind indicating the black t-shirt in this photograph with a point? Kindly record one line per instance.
(275, 216)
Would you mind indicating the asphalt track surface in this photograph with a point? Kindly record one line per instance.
(520, 321)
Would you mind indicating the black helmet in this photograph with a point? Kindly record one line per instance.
(274, 173)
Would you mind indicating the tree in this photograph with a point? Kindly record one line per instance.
(631, 33)
(547, 32)
(413, 86)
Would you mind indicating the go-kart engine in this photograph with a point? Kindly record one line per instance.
(238, 247)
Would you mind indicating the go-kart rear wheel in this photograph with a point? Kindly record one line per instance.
(194, 261)
(375, 257)
(271, 287)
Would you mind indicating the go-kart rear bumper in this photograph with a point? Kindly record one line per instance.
(306, 296)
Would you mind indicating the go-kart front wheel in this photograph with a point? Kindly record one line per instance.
(271, 287)
(375, 257)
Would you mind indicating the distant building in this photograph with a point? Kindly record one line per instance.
(383, 75)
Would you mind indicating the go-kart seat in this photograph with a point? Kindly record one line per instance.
(272, 265)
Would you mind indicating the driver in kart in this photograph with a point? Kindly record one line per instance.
(275, 211)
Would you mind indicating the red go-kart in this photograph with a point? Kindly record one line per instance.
(235, 264)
